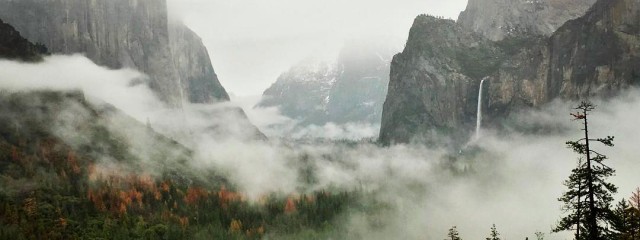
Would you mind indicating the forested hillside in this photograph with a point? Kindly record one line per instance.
(100, 187)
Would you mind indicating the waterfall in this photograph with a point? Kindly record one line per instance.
(479, 117)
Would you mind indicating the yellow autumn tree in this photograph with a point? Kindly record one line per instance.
(235, 226)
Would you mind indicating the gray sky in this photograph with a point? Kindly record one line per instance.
(252, 41)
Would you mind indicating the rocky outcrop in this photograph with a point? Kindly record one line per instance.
(14, 47)
(498, 19)
(595, 55)
(199, 81)
(432, 90)
(117, 34)
(520, 82)
(352, 89)
(599, 53)
(434, 81)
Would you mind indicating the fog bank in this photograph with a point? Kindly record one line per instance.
(510, 179)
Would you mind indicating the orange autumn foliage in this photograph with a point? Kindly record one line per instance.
(97, 200)
(194, 194)
(157, 195)
(226, 197)
(72, 162)
(290, 206)
(117, 194)
(143, 181)
(137, 196)
(184, 222)
(165, 186)
(124, 198)
(255, 232)
(122, 209)
(63, 222)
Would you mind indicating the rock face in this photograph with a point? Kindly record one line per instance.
(199, 81)
(434, 81)
(14, 47)
(595, 55)
(350, 90)
(117, 34)
(497, 19)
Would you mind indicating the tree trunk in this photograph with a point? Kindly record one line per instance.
(592, 222)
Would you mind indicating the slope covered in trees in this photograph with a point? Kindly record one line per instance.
(72, 170)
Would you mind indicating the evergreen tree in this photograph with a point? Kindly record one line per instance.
(627, 220)
(574, 201)
(494, 235)
(589, 196)
(453, 234)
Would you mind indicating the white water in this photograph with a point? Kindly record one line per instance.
(479, 117)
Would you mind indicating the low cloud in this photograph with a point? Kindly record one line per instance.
(332, 131)
(271, 121)
(123, 88)
(508, 178)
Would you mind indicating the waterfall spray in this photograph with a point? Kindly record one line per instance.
(479, 117)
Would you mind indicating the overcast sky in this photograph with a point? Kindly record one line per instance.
(252, 41)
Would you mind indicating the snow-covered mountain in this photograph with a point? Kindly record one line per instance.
(303, 91)
(351, 89)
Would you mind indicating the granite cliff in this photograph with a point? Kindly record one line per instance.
(199, 81)
(594, 55)
(434, 82)
(497, 19)
(122, 33)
